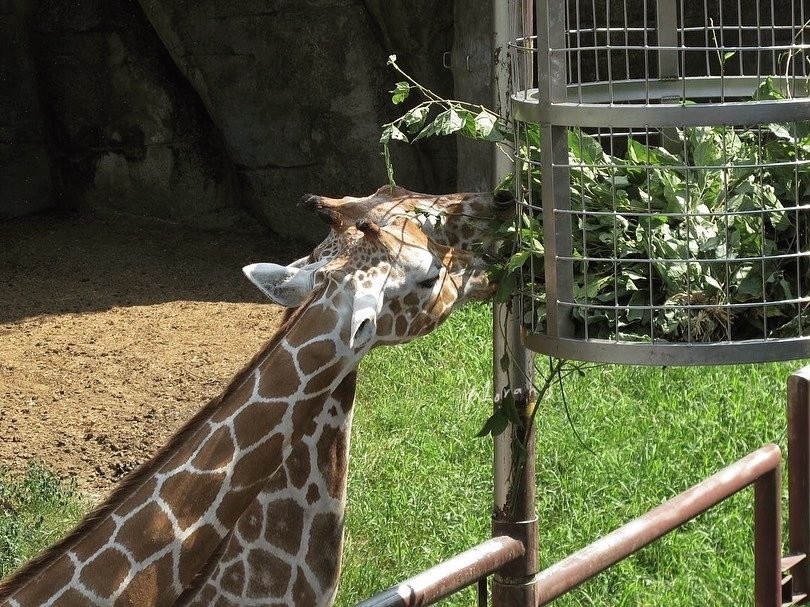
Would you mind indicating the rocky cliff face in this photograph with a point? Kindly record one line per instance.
(217, 114)
(25, 178)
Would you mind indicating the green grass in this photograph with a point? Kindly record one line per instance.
(35, 510)
(420, 481)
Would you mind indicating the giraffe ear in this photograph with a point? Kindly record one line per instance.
(287, 286)
(364, 318)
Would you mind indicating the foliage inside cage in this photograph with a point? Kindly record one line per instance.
(704, 239)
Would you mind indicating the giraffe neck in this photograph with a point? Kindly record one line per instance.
(146, 544)
(264, 565)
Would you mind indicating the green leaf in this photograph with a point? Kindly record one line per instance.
(485, 122)
(495, 425)
(415, 118)
(390, 132)
(400, 93)
(517, 260)
(448, 122)
(505, 288)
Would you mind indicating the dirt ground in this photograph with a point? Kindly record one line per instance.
(113, 331)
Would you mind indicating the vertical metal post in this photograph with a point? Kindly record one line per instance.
(798, 415)
(666, 16)
(768, 540)
(556, 182)
(514, 483)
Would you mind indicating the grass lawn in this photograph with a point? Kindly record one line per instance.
(420, 481)
(35, 510)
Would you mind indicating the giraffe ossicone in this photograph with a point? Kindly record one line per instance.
(149, 541)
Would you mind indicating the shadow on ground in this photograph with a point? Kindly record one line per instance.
(63, 263)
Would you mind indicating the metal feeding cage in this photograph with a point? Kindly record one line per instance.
(663, 174)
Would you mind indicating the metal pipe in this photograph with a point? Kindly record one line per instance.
(798, 415)
(450, 576)
(768, 539)
(624, 541)
(513, 473)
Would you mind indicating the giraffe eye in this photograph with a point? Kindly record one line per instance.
(429, 283)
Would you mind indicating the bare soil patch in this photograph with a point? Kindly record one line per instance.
(114, 331)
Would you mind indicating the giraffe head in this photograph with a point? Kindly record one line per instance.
(457, 220)
(395, 281)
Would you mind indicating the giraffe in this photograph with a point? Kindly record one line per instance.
(149, 540)
(460, 220)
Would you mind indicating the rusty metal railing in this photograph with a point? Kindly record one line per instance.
(450, 576)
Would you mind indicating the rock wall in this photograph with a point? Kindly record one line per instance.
(25, 172)
(127, 133)
(299, 91)
(212, 114)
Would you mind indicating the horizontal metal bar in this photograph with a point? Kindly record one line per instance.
(450, 576)
(609, 104)
(666, 307)
(624, 541)
(665, 354)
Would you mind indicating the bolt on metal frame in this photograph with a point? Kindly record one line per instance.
(649, 74)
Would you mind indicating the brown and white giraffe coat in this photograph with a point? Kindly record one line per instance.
(152, 538)
(461, 221)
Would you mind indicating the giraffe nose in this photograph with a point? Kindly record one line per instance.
(504, 199)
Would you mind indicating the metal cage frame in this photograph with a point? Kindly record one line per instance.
(674, 69)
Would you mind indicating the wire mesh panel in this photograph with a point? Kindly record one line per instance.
(663, 168)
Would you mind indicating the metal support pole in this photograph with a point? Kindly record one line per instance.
(798, 415)
(513, 511)
(768, 539)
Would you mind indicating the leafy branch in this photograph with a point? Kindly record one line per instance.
(436, 116)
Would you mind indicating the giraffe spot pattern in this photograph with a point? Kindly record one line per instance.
(105, 573)
(146, 532)
(216, 452)
(325, 378)
(268, 575)
(303, 594)
(137, 499)
(298, 465)
(93, 543)
(254, 421)
(253, 463)
(193, 554)
(312, 356)
(332, 450)
(71, 598)
(58, 576)
(313, 494)
(149, 584)
(251, 522)
(233, 579)
(282, 380)
(238, 394)
(324, 542)
(191, 495)
(285, 527)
